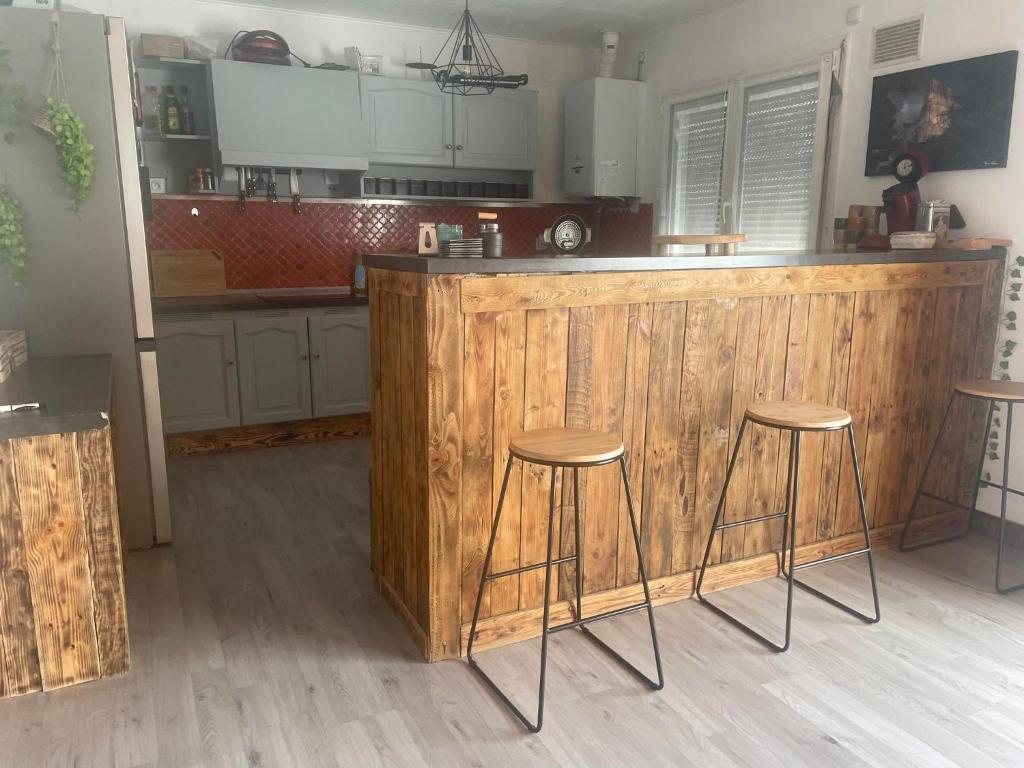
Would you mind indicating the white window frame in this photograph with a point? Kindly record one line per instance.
(825, 65)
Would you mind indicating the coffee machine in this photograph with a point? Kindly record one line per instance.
(901, 200)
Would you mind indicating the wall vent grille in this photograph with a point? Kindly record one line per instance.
(897, 43)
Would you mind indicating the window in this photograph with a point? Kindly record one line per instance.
(749, 157)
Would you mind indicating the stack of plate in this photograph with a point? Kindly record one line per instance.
(462, 249)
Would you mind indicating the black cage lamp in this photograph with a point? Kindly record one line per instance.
(472, 68)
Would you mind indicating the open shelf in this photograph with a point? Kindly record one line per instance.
(163, 63)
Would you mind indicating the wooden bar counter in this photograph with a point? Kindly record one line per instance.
(667, 352)
(62, 601)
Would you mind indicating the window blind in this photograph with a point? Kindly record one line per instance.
(697, 155)
(776, 185)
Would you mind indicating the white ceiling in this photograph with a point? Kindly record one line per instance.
(574, 21)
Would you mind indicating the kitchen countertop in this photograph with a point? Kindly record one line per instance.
(238, 301)
(75, 393)
(436, 265)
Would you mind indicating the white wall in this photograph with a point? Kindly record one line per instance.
(756, 35)
(318, 38)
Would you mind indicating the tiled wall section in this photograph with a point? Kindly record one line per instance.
(268, 246)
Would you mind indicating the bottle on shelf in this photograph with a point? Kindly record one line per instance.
(359, 287)
(172, 112)
(152, 115)
(187, 117)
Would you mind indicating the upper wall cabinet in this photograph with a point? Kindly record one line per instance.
(408, 122)
(496, 131)
(288, 117)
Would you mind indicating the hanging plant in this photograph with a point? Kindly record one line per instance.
(12, 95)
(74, 152)
(12, 236)
(65, 128)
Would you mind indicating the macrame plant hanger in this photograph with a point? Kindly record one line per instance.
(56, 86)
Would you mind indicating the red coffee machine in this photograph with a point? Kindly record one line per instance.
(901, 200)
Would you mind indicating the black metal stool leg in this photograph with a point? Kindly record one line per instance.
(792, 482)
(647, 596)
(1002, 505)
(865, 550)
(924, 475)
(533, 728)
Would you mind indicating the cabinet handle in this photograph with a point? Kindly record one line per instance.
(448, 146)
(231, 362)
(316, 355)
(303, 357)
(458, 147)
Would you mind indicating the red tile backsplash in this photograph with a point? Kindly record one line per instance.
(268, 246)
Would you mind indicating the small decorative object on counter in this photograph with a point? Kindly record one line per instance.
(428, 239)
(13, 352)
(487, 228)
(359, 287)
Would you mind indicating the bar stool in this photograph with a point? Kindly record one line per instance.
(566, 448)
(1008, 392)
(796, 418)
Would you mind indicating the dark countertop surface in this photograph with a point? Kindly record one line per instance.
(74, 392)
(436, 265)
(238, 301)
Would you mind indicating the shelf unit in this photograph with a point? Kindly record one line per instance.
(174, 156)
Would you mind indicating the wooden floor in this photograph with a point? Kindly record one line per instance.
(258, 640)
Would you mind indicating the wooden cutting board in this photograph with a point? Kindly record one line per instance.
(187, 273)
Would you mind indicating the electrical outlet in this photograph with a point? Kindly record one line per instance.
(157, 185)
(855, 15)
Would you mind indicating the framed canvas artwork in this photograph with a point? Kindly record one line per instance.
(957, 113)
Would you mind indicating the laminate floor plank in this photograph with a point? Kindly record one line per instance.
(258, 640)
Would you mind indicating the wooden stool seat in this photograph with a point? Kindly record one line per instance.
(793, 415)
(1005, 391)
(565, 446)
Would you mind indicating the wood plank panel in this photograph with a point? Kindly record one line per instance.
(765, 444)
(57, 555)
(444, 485)
(717, 360)
(604, 484)
(409, 450)
(634, 434)
(422, 526)
(957, 484)
(744, 384)
(394, 510)
(509, 396)
(496, 294)
(547, 340)
(19, 657)
(796, 365)
(577, 415)
(839, 380)
(663, 489)
(377, 431)
(477, 457)
(99, 505)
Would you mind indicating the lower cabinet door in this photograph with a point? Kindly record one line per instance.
(197, 373)
(340, 344)
(273, 369)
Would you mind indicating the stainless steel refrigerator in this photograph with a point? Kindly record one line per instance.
(87, 288)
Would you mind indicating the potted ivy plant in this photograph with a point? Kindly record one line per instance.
(12, 233)
(57, 120)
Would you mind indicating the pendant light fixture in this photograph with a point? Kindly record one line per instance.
(467, 66)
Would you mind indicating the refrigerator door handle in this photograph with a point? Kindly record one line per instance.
(128, 173)
(155, 440)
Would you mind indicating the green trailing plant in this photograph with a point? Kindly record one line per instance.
(74, 152)
(12, 95)
(1012, 291)
(12, 236)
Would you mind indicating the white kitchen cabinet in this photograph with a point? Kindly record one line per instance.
(288, 117)
(496, 131)
(408, 122)
(339, 343)
(273, 369)
(197, 371)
